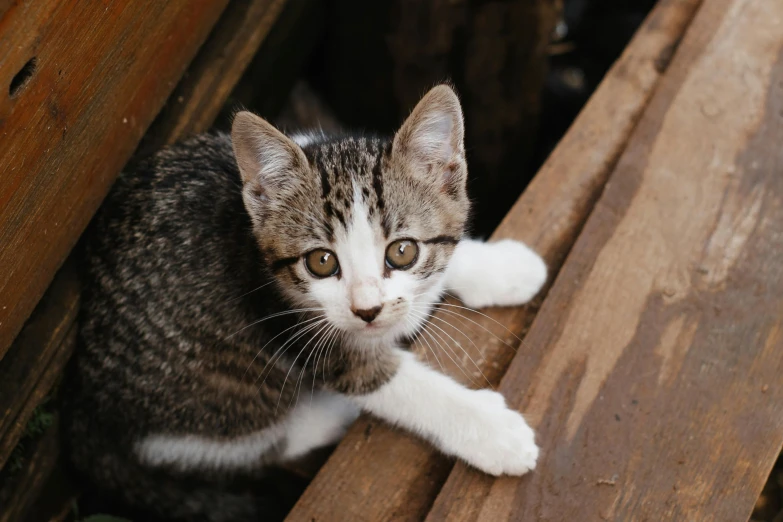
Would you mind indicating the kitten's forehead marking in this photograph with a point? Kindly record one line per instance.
(350, 170)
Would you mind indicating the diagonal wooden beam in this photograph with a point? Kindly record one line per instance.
(378, 473)
(655, 383)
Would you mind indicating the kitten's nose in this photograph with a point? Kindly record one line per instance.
(367, 315)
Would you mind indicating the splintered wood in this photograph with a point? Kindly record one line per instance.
(660, 346)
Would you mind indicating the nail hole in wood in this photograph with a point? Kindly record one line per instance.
(21, 78)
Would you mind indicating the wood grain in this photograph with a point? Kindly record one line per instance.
(102, 72)
(656, 388)
(378, 473)
(40, 351)
(18, 494)
(200, 96)
(37, 358)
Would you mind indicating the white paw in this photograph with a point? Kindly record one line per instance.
(495, 439)
(503, 273)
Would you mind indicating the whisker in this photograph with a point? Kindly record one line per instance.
(272, 316)
(275, 337)
(332, 344)
(250, 292)
(441, 345)
(442, 369)
(287, 344)
(482, 326)
(328, 337)
(460, 346)
(293, 364)
(315, 350)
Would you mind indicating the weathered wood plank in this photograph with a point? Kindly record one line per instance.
(40, 351)
(71, 126)
(37, 358)
(218, 67)
(378, 473)
(44, 338)
(654, 381)
(19, 494)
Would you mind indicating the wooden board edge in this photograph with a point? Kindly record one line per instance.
(548, 216)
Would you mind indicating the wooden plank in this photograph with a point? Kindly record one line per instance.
(19, 493)
(200, 96)
(37, 358)
(43, 338)
(41, 350)
(68, 129)
(654, 381)
(378, 473)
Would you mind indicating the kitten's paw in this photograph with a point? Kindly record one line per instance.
(502, 273)
(496, 439)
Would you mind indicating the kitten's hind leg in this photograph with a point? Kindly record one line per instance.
(501, 273)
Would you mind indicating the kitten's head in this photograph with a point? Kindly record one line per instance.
(359, 228)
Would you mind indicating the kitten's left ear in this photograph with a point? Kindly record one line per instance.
(266, 157)
(432, 139)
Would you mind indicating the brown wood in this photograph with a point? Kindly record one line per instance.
(378, 473)
(102, 72)
(40, 351)
(200, 96)
(654, 375)
(19, 493)
(37, 358)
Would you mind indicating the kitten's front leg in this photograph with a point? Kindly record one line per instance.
(474, 425)
(501, 273)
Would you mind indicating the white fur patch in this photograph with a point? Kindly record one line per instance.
(474, 425)
(317, 423)
(502, 273)
(188, 452)
(311, 424)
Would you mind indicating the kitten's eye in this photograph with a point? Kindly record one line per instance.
(322, 263)
(402, 254)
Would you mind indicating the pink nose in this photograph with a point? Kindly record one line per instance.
(367, 315)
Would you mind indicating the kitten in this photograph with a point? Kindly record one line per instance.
(246, 296)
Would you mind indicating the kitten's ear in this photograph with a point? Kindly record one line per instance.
(432, 138)
(266, 157)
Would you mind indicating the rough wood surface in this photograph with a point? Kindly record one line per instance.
(200, 96)
(37, 358)
(654, 379)
(19, 493)
(40, 351)
(101, 73)
(378, 473)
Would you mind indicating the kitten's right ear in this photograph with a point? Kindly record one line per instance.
(266, 157)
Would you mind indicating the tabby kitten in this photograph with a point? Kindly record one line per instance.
(246, 296)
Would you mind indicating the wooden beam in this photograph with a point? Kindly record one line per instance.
(216, 70)
(43, 339)
(654, 374)
(83, 82)
(40, 351)
(20, 491)
(378, 473)
(37, 358)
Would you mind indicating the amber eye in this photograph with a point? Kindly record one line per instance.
(322, 263)
(402, 254)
